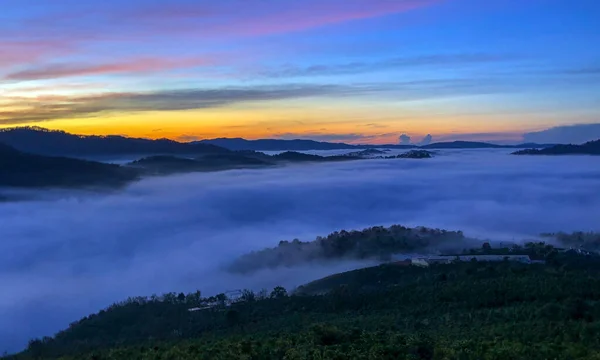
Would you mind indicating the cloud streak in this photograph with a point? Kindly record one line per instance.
(144, 65)
(44, 108)
(380, 66)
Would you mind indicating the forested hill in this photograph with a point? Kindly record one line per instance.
(27, 170)
(589, 148)
(372, 243)
(41, 141)
(465, 310)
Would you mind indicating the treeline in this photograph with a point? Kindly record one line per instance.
(589, 241)
(459, 311)
(372, 243)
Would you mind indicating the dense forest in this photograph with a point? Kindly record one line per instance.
(372, 243)
(465, 310)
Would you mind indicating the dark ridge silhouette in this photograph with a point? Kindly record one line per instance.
(19, 169)
(413, 154)
(292, 156)
(463, 145)
(167, 164)
(238, 144)
(275, 144)
(42, 141)
(589, 148)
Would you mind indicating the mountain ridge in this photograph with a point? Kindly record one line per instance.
(41, 141)
(238, 144)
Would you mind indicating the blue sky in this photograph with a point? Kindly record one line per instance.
(365, 70)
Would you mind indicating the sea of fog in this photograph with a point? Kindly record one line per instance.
(64, 254)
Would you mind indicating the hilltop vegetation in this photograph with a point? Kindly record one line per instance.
(160, 165)
(589, 148)
(371, 243)
(589, 241)
(469, 311)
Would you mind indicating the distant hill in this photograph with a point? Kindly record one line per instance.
(374, 243)
(414, 154)
(275, 144)
(41, 141)
(292, 145)
(292, 156)
(463, 145)
(304, 145)
(166, 164)
(19, 169)
(589, 148)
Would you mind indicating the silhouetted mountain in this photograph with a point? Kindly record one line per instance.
(238, 144)
(292, 156)
(275, 144)
(589, 148)
(41, 141)
(19, 169)
(462, 145)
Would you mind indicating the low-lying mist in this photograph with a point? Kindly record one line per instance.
(65, 255)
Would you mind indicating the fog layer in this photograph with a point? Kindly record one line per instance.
(64, 256)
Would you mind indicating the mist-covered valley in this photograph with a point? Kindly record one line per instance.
(66, 254)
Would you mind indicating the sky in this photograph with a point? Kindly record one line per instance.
(357, 71)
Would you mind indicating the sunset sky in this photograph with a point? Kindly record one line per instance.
(358, 71)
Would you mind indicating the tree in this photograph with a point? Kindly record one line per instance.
(233, 317)
(279, 292)
(248, 295)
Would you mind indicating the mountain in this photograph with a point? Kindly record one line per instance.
(589, 148)
(463, 145)
(304, 145)
(20, 169)
(275, 144)
(41, 141)
(291, 145)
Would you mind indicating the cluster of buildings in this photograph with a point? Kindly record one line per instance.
(431, 260)
(230, 297)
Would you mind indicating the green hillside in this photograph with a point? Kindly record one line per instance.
(465, 310)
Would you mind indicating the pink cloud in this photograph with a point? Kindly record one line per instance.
(19, 52)
(131, 66)
(268, 17)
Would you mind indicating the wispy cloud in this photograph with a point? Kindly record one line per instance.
(56, 107)
(143, 65)
(393, 63)
(269, 17)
